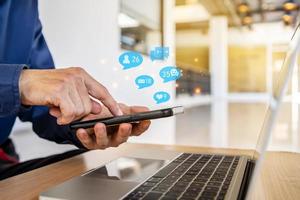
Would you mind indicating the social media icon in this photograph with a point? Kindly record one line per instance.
(144, 81)
(170, 73)
(161, 97)
(130, 59)
(159, 53)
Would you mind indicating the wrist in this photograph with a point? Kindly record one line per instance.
(23, 85)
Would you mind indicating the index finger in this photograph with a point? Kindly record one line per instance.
(100, 92)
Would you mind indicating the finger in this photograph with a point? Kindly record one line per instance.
(55, 112)
(138, 109)
(121, 136)
(141, 127)
(101, 136)
(77, 100)
(85, 139)
(84, 96)
(125, 109)
(96, 108)
(99, 92)
(67, 109)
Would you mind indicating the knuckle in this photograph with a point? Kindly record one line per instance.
(102, 146)
(105, 90)
(69, 77)
(70, 114)
(78, 79)
(77, 70)
(115, 144)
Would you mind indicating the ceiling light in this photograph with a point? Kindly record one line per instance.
(243, 8)
(287, 19)
(248, 20)
(290, 5)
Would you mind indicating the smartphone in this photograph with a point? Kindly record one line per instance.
(134, 118)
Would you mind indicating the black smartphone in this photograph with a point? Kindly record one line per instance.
(134, 118)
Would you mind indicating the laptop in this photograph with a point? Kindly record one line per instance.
(150, 174)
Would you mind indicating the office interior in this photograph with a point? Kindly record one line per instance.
(230, 53)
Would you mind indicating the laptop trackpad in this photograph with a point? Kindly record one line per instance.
(111, 181)
(128, 169)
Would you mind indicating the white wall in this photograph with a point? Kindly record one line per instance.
(85, 33)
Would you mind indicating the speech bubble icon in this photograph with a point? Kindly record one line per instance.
(130, 59)
(161, 97)
(159, 53)
(144, 81)
(170, 73)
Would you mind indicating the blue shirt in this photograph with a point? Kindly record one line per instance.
(22, 44)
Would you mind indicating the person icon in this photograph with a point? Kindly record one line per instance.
(126, 60)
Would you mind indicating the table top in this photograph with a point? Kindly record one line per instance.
(279, 178)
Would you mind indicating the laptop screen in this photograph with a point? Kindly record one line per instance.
(281, 88)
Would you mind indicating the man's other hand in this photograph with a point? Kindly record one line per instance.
(67, 92)
(101, 137)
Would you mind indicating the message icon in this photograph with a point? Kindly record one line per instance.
(144, 81)
(159, 53)
(130, 59)
(170, 73)
(161, 97)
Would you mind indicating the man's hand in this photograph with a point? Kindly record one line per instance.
(101, 137)
(66, 91)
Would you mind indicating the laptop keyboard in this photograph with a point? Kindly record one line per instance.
(189, 177)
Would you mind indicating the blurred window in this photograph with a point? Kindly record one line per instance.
(247, 69)
(194, 62)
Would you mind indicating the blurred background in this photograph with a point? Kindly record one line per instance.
(230, 53)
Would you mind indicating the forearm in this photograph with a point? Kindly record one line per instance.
(9, 89)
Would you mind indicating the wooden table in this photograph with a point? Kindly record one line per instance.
(280, 177)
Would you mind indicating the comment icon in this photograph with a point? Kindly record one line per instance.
(144, 81)
(170, 73)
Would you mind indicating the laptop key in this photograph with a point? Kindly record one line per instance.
(206, 198)
(208, 194)
(131, 198)
(167, 198)
(165, 171)
(154, 180)
(220, 197)
(215, 184)
(161, 189)
(152, 195)
(144, 189)
(148, 184)
(139, 195)
(187, 198)
(173, 194)
(190, 194)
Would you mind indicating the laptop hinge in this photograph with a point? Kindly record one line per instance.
(246, 179)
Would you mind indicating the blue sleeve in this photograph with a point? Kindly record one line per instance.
(42, 122)
(9, 89)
